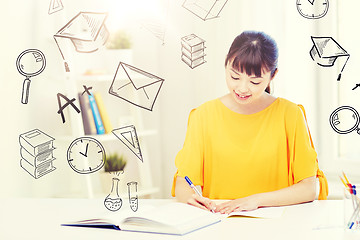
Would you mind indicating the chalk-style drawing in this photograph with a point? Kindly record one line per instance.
(356, 86)
(55, 6)
(128, 136)
(113, 201)
(326, 50)
(345, 119)
(135, 86)
(153, 16)
(205, 9)
(62, 107)
(156, 27)
(29, 63)
(36, 150)
(312, 9)
(86, 155)
(86, 90)
(86, 31)
(133, 197)
(193, 50)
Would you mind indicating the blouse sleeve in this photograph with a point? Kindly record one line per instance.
(303, 155)
(189, 160)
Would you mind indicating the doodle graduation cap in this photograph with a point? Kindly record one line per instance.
(326, 50)
(86, 31)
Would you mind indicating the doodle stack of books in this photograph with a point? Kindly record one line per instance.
(193, 50)
(36, 150)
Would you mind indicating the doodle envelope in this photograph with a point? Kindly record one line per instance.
(136, 86)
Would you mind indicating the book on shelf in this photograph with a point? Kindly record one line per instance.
(103, 113)
(87, 115)
(36, 142)
(96, 114)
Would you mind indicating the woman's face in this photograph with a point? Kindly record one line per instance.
(246, 89)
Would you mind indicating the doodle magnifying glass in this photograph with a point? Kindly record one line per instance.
(345, 119)
(29, 63)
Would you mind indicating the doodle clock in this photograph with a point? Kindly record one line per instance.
(312, 9)
(86, 155)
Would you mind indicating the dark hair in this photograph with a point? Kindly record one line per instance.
(253, 52)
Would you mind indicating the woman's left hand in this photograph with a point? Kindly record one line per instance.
(241, 204)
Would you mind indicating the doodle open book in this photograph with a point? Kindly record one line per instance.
(172, 218)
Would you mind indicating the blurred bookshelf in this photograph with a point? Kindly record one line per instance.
(131, 115)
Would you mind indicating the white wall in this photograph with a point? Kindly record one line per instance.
(29, 26)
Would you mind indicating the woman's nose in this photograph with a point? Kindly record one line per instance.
(242, 87)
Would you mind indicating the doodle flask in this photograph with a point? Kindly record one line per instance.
(113, 201)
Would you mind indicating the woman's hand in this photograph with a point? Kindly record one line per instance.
(184, 193)
(241, 204)
(303, 191)
(201, 202)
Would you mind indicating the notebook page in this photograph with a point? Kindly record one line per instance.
(177, 214)
(266, 212)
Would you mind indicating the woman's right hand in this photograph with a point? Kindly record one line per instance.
(201, 202)
(184, 193)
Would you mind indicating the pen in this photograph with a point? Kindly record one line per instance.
(355, 201)
(194, 188)
(347, 181)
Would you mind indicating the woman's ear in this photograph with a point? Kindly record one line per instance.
(273, 74)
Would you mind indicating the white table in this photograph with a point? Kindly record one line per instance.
(41, 219)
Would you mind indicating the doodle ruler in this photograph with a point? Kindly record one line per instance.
(55, 6)
(128, 136)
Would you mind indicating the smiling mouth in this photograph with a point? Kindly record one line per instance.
(242, 97)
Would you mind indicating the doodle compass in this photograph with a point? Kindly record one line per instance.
(86, 155)
(29, 63)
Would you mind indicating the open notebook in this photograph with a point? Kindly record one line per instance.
(172, 218)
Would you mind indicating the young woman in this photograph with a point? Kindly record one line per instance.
(248, 146)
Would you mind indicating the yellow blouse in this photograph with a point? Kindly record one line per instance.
(231, 155)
